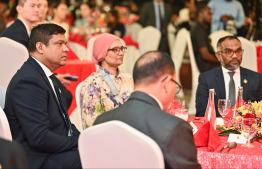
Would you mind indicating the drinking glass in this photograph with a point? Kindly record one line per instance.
(248, 130)
(182, 113)
(182, 103)
(223, 107)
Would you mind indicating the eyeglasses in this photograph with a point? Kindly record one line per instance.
(117, 49)
(230, 53)
(178, 86)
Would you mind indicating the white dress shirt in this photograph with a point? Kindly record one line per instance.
(236, 78)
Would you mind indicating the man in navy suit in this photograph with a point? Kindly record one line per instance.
(36, 106)
(155, 86)
(230, 55)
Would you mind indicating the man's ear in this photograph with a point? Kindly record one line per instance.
(38, 47)
(19, 8)
(218, 56)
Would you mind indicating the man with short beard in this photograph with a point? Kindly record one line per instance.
(229, 54)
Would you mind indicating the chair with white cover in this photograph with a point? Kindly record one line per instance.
(2, 96)
(178, 54)
(90, 47)
(135, 28)
(115, 144)
(77, 120)
(215, 36)
(171, 31)
(249, 58)
(13, 55)
(148, 39)
(195, 74)
(5, 132)
(79, 50)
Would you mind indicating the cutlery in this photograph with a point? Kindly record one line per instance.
(223, 148)
(231, 145)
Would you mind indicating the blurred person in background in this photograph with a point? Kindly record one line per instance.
(157, 13)
(115, 27)
(2, 16)
(60, 12)
(107, 88)
(28, 14)
(227, 15)
(43, 8)
(203, 50)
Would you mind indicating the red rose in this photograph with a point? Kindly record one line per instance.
(249, 119)
(249, 115)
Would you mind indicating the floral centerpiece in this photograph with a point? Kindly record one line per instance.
(249, 110)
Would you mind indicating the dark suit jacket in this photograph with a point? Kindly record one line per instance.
(17, 32)
(34, 115)
(12, 155)
(173, 135)
(214, 79)
(148, 18)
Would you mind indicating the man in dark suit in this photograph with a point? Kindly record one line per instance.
(158, 14)
(155, 87)
(12, 155)
(35, 103)
(230, 55)
(19, 31)
(27, 15)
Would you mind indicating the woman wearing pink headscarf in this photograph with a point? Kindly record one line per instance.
(107, 88)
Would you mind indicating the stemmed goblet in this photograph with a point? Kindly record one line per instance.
(248, 130)
(223, 107)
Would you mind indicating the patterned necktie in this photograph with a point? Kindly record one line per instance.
(232, 90)
(64, 111)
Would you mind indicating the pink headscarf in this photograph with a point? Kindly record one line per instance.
(101, 45)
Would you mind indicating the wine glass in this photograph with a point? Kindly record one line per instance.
(224, 107)
(248, 130)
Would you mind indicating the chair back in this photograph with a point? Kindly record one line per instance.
(79, 106)
(115, 144)
(249, 58)
(135, 28)
(171, 31)
(5, 132)
(195, 74)
(13, 55)
(79, 50)
(178, 54)
(215, 36)
(90, 45)
(148, 39)
(2, 96)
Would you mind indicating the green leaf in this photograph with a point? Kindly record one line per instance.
(256, 138)
(227, 132)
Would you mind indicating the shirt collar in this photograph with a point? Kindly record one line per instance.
(45, 69)
(224, 70)
(27, 29)
(156, 99)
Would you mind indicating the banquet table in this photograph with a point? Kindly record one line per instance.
(80, 68)
(240, 157)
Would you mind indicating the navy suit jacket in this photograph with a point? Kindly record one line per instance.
(173, 135)
(34, 115)
(214, 79)
(17, 32)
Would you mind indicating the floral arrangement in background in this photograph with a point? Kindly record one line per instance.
(249, 110)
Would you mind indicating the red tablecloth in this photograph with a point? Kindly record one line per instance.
(240, 157)
(79, 68)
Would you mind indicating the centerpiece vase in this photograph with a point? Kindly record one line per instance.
(239, 101)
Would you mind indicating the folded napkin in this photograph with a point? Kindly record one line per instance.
(207, 136)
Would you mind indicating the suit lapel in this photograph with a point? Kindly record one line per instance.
(221, 84)
(244, 82)
(40, 70)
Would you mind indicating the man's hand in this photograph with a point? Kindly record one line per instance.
(61, 78)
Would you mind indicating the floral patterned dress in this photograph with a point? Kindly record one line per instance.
(96, 96)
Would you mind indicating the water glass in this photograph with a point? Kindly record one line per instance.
(249, 129)
(182, 113)
(182, 103)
